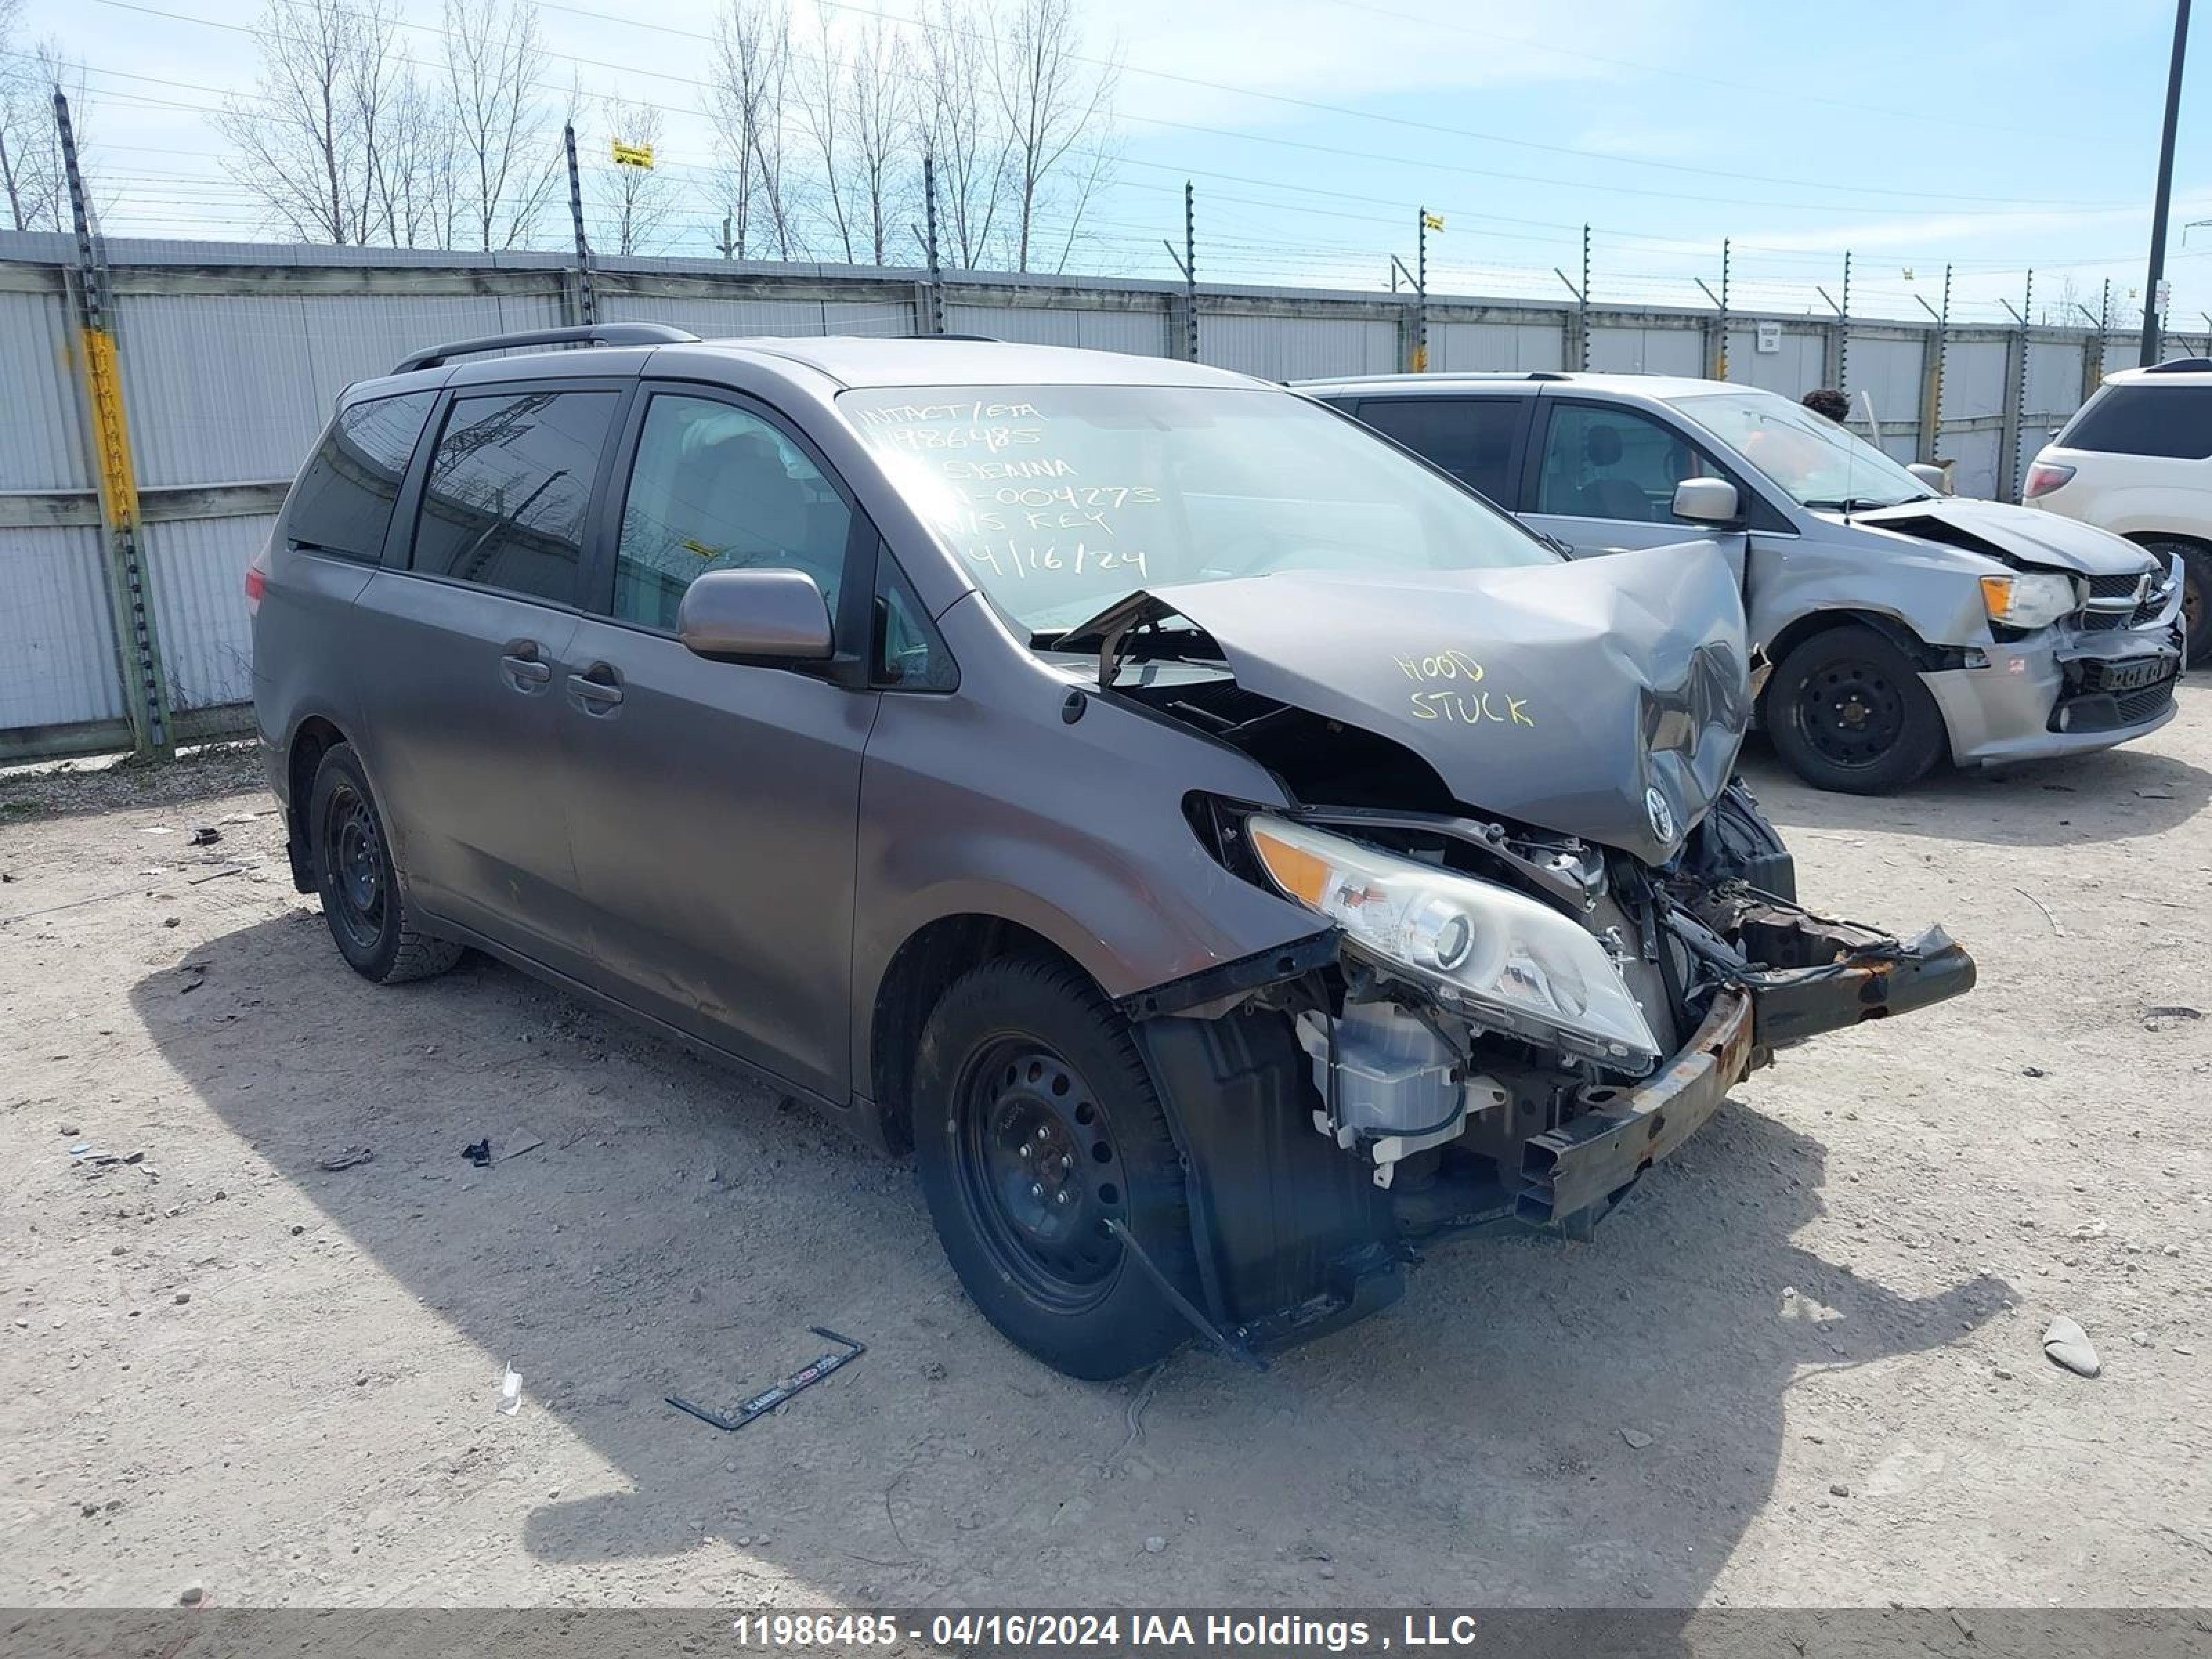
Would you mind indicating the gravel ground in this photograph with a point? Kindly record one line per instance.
(1802, 1365)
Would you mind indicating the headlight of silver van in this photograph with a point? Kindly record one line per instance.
(1512, 963)
(2033, 599)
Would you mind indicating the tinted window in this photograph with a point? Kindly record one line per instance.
(509, 487)
(2172, 421)
(908, 653)
(1471, 438)
(1614, 464)
(343, 501)
(716, 488)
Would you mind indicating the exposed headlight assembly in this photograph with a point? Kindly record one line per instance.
(1510, 962)
(2033, 599)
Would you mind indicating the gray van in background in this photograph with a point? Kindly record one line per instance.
(1903, 625)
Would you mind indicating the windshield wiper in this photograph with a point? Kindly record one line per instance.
(1862, 504)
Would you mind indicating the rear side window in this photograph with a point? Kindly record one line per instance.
(509, 490)
(2171, 420)
(1474, 438)
(343, 501)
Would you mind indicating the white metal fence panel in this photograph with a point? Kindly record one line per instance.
(1976, 377)
(1647, 350)
(718, 317)
(1794, 368)
(197, 570)
(1888, 371)
(1291, 348)
(43, 443)
(58, 661)
(1529, 346)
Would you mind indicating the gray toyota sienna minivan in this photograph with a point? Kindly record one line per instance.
(1225, 849)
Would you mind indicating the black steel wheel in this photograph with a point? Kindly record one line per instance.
(363, 901)
(1035, 1123)
(1039, 1174)
(1848, 712)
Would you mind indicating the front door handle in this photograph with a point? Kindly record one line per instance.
(526, 672)
(597, 690)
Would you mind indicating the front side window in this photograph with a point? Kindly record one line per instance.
(510, 489)
(342, 503)
(2171, 422)
(1474, 438)
(1817, 462)
(714, 487)
(1611, 462)
(1060, 499)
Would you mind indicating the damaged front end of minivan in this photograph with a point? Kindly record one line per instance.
(1551, 930)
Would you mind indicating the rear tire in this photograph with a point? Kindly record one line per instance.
(2196, 593)
(1847, 711)
(1035, 1121)
(367, 912)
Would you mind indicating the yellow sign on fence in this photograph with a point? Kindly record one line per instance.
(633, 155)
(1433, 221)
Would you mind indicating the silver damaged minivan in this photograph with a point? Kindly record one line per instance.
(1903, 625)
(1225, 851)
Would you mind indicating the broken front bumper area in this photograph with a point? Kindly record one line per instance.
(1840, 974)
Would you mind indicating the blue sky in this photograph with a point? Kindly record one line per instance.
(1994, 136)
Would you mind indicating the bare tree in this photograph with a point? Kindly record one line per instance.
(509, 162)
(881, 107)
(30, 174)
(752, 82)
(822, 111)
(963, 128)
(302, 147)
(635, 202)
(1053, 100)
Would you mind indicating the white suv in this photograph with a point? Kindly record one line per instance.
(2136, 459)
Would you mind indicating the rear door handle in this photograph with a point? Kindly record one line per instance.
(597, 690)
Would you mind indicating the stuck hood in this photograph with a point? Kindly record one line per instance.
(1605, 698)
(2021, 534)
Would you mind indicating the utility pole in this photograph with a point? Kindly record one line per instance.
(2154, 292)
(1843, 332)
(146, 698)
(1582, 299)
(587, 305)
(929, 219)
(1421, 293)
(1189, 271)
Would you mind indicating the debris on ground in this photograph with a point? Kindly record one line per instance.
(1155, 1544)
(205, 836)
(2067, 1345)
(1636, 1437)
(478, 1153)
(346, 1159)
(516, 1144)
(2167, 1015)
(769, 1399)
(510, 1393)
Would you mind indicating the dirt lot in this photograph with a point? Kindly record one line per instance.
(1802, 1366)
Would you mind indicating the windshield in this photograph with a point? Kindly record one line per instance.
(1820, 464)
(1061, 499)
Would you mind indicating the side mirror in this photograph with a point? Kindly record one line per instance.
(756, 615)
(1935, 478)
(1707, 500)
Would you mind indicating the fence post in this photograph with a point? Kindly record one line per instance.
(146, 691)
(2013, 434)
(1581, 309)
(587, 301)
(1190, 272)
(1931, 377)
(933, 295)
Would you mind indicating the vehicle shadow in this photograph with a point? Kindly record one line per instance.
(1536, 1423)
(2113, 794)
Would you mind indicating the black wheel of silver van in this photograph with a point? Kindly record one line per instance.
(1035, 1123)
(362, 902)
(1848, 712)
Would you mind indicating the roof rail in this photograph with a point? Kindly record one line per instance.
(2180, 366)
(627, 334)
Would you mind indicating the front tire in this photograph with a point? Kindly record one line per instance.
(368, 914)
(1848, 712)
(1035, 1122)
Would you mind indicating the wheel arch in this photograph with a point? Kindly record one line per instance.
(312, 739)
(916, 975)
(1889, 625)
